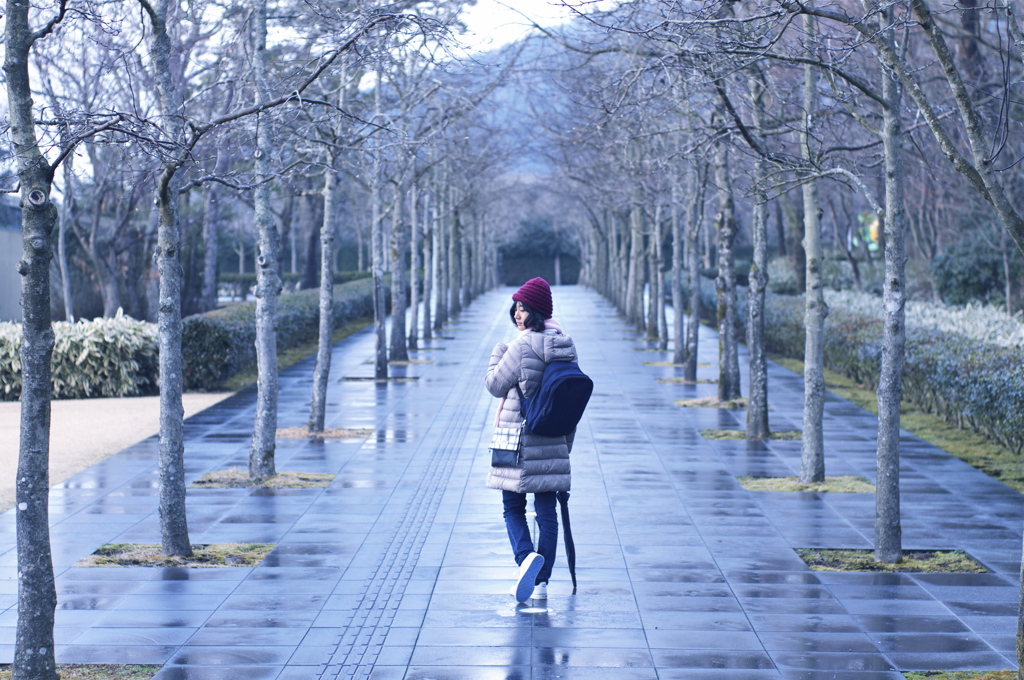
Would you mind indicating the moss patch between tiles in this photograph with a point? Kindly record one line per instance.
(712, 402)
(235, 478)
(731, 435)
(847, 484)
(927, 561)
(327, 433)
(150, 555)
(75, 671)
(960, 675)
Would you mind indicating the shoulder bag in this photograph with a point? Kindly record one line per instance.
(505, 442)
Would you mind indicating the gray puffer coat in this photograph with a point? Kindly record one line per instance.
(543, 461)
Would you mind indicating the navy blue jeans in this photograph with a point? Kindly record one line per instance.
(544, 504)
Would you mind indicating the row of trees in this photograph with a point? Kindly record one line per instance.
(902, 112)
(142, 114)
(662, 138)
(673, 111)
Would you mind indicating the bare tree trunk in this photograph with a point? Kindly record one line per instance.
(414, 275)
(62, 235)
(1007, 277)
(454, 231)
(651, 256)
(441, 264)
(621, 258)
(797, 255)
(757, 404)
(634, 278)
(728, 343)
(888, 531)
(659, 277)
(678, 353)
(325, 330)
(380, 361)
(309, 237)
(695, 218)
(841, 240)
(465, 272)
(359, 249)
(37, 594)
(109, 288)
(812, 454)
(211, 236)
(399, 350)
(268, 277)
(429, 274)
(173, 518)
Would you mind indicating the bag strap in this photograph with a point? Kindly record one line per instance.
(570, 547)
(497, 416)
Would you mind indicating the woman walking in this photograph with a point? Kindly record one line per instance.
(543, 466)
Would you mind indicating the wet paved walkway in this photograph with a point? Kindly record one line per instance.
(401, 568)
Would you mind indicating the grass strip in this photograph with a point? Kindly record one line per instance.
(327, 433)
(729, 435)
(970, 447)
(292, 356)
(844, 484)
(712, 402)
(104, 671)
(684, 381)
(668, 363)
(150, 555)
(235, 478)
(933, 561)
(960, 675)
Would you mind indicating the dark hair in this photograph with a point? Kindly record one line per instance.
(534, 321)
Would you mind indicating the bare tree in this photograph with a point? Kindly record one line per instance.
(812, 447)
(37, 595)
(268, 275)
(728, 349)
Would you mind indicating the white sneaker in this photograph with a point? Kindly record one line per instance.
(540, 591)
(527, 576)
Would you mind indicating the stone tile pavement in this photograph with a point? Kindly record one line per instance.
(401, 568)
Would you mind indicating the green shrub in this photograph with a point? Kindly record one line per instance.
(249, 279)
(971, 270)
(220, 344)
(119, 357)
(966, 365)
(100, 358)
(963, 380)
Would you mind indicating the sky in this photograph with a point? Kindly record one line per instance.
(493, 23)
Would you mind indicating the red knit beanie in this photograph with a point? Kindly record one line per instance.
(536, 294)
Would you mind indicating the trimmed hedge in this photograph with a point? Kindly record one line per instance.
(220, 344)
(246, 281)
(965, 381)
(119, 357)
(100, 358)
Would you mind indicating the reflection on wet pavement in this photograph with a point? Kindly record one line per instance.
(401, 567)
